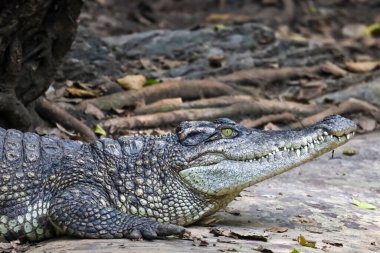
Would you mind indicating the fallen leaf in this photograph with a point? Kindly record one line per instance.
(337, 244)
(99, 130)
(372, 29)
(349, 152)
(276, 229)
(302, 241)
(64, 130)
(363, 205)
(363, 66)
(132, 82)
(75, 92)
(295, 250)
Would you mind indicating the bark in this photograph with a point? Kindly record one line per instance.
(34, 37)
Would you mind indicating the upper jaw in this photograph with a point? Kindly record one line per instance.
(256, 145)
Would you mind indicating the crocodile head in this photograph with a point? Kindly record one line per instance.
(223, 157)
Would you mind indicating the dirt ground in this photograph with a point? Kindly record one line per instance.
(314, 200)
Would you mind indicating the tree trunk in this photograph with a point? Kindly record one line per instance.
(34, 37)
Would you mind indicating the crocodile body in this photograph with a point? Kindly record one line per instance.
(144, 186)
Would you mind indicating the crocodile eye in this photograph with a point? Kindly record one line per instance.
(228, 132)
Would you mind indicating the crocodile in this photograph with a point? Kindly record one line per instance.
(144, 186)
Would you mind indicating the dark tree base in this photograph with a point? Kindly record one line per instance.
(34, 37)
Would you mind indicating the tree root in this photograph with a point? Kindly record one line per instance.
(187, 89)
(252, 108)
(262, 77)
(351, 105)
(172, 105)
(54, 113)
(285, 116)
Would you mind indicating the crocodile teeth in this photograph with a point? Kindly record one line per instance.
(348, 136)
(298, 152)
(325, 133)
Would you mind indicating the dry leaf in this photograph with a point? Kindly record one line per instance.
(361, 67)
(75, 92)
(64, 130)
(350, 152)
(132, 82)
(306, 243)
(276, 229)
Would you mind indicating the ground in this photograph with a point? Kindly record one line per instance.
(314, 200)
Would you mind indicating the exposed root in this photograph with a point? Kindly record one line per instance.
(284, 117)
(187, 89)
(252, 108)
(262, 77)
(351, 105)
(174, 104)
(54, 113)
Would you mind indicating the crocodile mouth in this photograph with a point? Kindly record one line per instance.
(306, 147)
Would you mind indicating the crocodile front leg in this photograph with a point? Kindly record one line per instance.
(83, 212)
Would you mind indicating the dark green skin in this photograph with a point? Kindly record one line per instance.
(134, 187)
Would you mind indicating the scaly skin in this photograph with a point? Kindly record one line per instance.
(143, 186)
